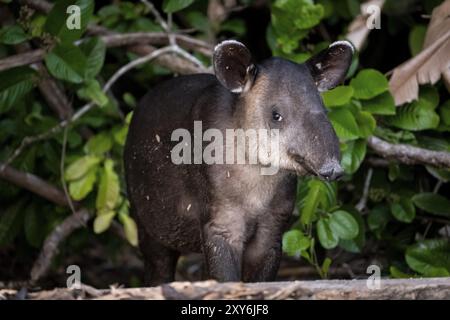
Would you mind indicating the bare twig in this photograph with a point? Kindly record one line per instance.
(157, 16)
(51, 243)
(361, 205)
(408, 154)
(155, 38)
(167, 26)
(33, 183)
(61, 170)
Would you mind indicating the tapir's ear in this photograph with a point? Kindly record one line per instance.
(233, 66)
(329, 67)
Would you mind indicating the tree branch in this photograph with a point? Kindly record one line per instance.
(33, 183)
(408, 154)
(22, 59)
(51, 243)
(62, 231)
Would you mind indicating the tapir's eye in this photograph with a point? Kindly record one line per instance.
(276, 116)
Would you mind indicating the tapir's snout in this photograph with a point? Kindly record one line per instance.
(330, 171)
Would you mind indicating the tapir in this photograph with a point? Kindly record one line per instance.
(231, 213)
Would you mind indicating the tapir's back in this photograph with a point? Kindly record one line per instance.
(157, 187)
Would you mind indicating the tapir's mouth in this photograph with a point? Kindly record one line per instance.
(302, 165)
(305, 165)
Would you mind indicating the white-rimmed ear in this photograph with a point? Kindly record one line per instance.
(233, 66)
(329, 67)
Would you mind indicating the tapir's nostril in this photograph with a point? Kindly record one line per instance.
(331, 171)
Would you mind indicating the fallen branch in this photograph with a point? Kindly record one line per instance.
(431, 288)
(51, 243)
(408, 154)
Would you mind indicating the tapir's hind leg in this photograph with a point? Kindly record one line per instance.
(159, 262)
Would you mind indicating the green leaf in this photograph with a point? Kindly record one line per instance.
(353, 155)
(396, 273)
(291, 21)
(444, 112)
(91, 91)
(441, 174)
(416, 38)
(378, 218)
(103, 221)
(12, 35)
(235, 26)
(80, 188)
(311, 201)
(327, 238)
(326, 266)
(120, 134)
(403, 210)
(368, 84)
(418, 115)
(366, 123)
(58, 19)
(170, 6)
(294, 242)
(382, 104)
(14, 84)
(356, 244)
(344, 225)
(432, 203)
(99, 144)
(130, 228)
(338, 96)
(344, 124)
(429, 96)
(66, 62)
(80, 167)
(108, 191)
(431, 257)
(95, 50)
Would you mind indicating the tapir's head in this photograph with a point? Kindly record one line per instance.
(280, 94)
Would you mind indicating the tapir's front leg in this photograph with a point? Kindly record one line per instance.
(223, 242)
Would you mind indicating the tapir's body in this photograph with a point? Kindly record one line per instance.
(232, 213)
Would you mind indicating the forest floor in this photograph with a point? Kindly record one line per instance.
(392, 289)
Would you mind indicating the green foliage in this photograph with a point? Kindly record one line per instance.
(416, 38)
(12, 35)
(402, 199)
(295, 242)
(14, 84)
(292, 20)
(170, 6)
(56, 23)
(430, 258)
(432, 203)
(368, 84)
(338, 96)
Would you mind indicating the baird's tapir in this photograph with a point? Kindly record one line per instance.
(231, 213)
